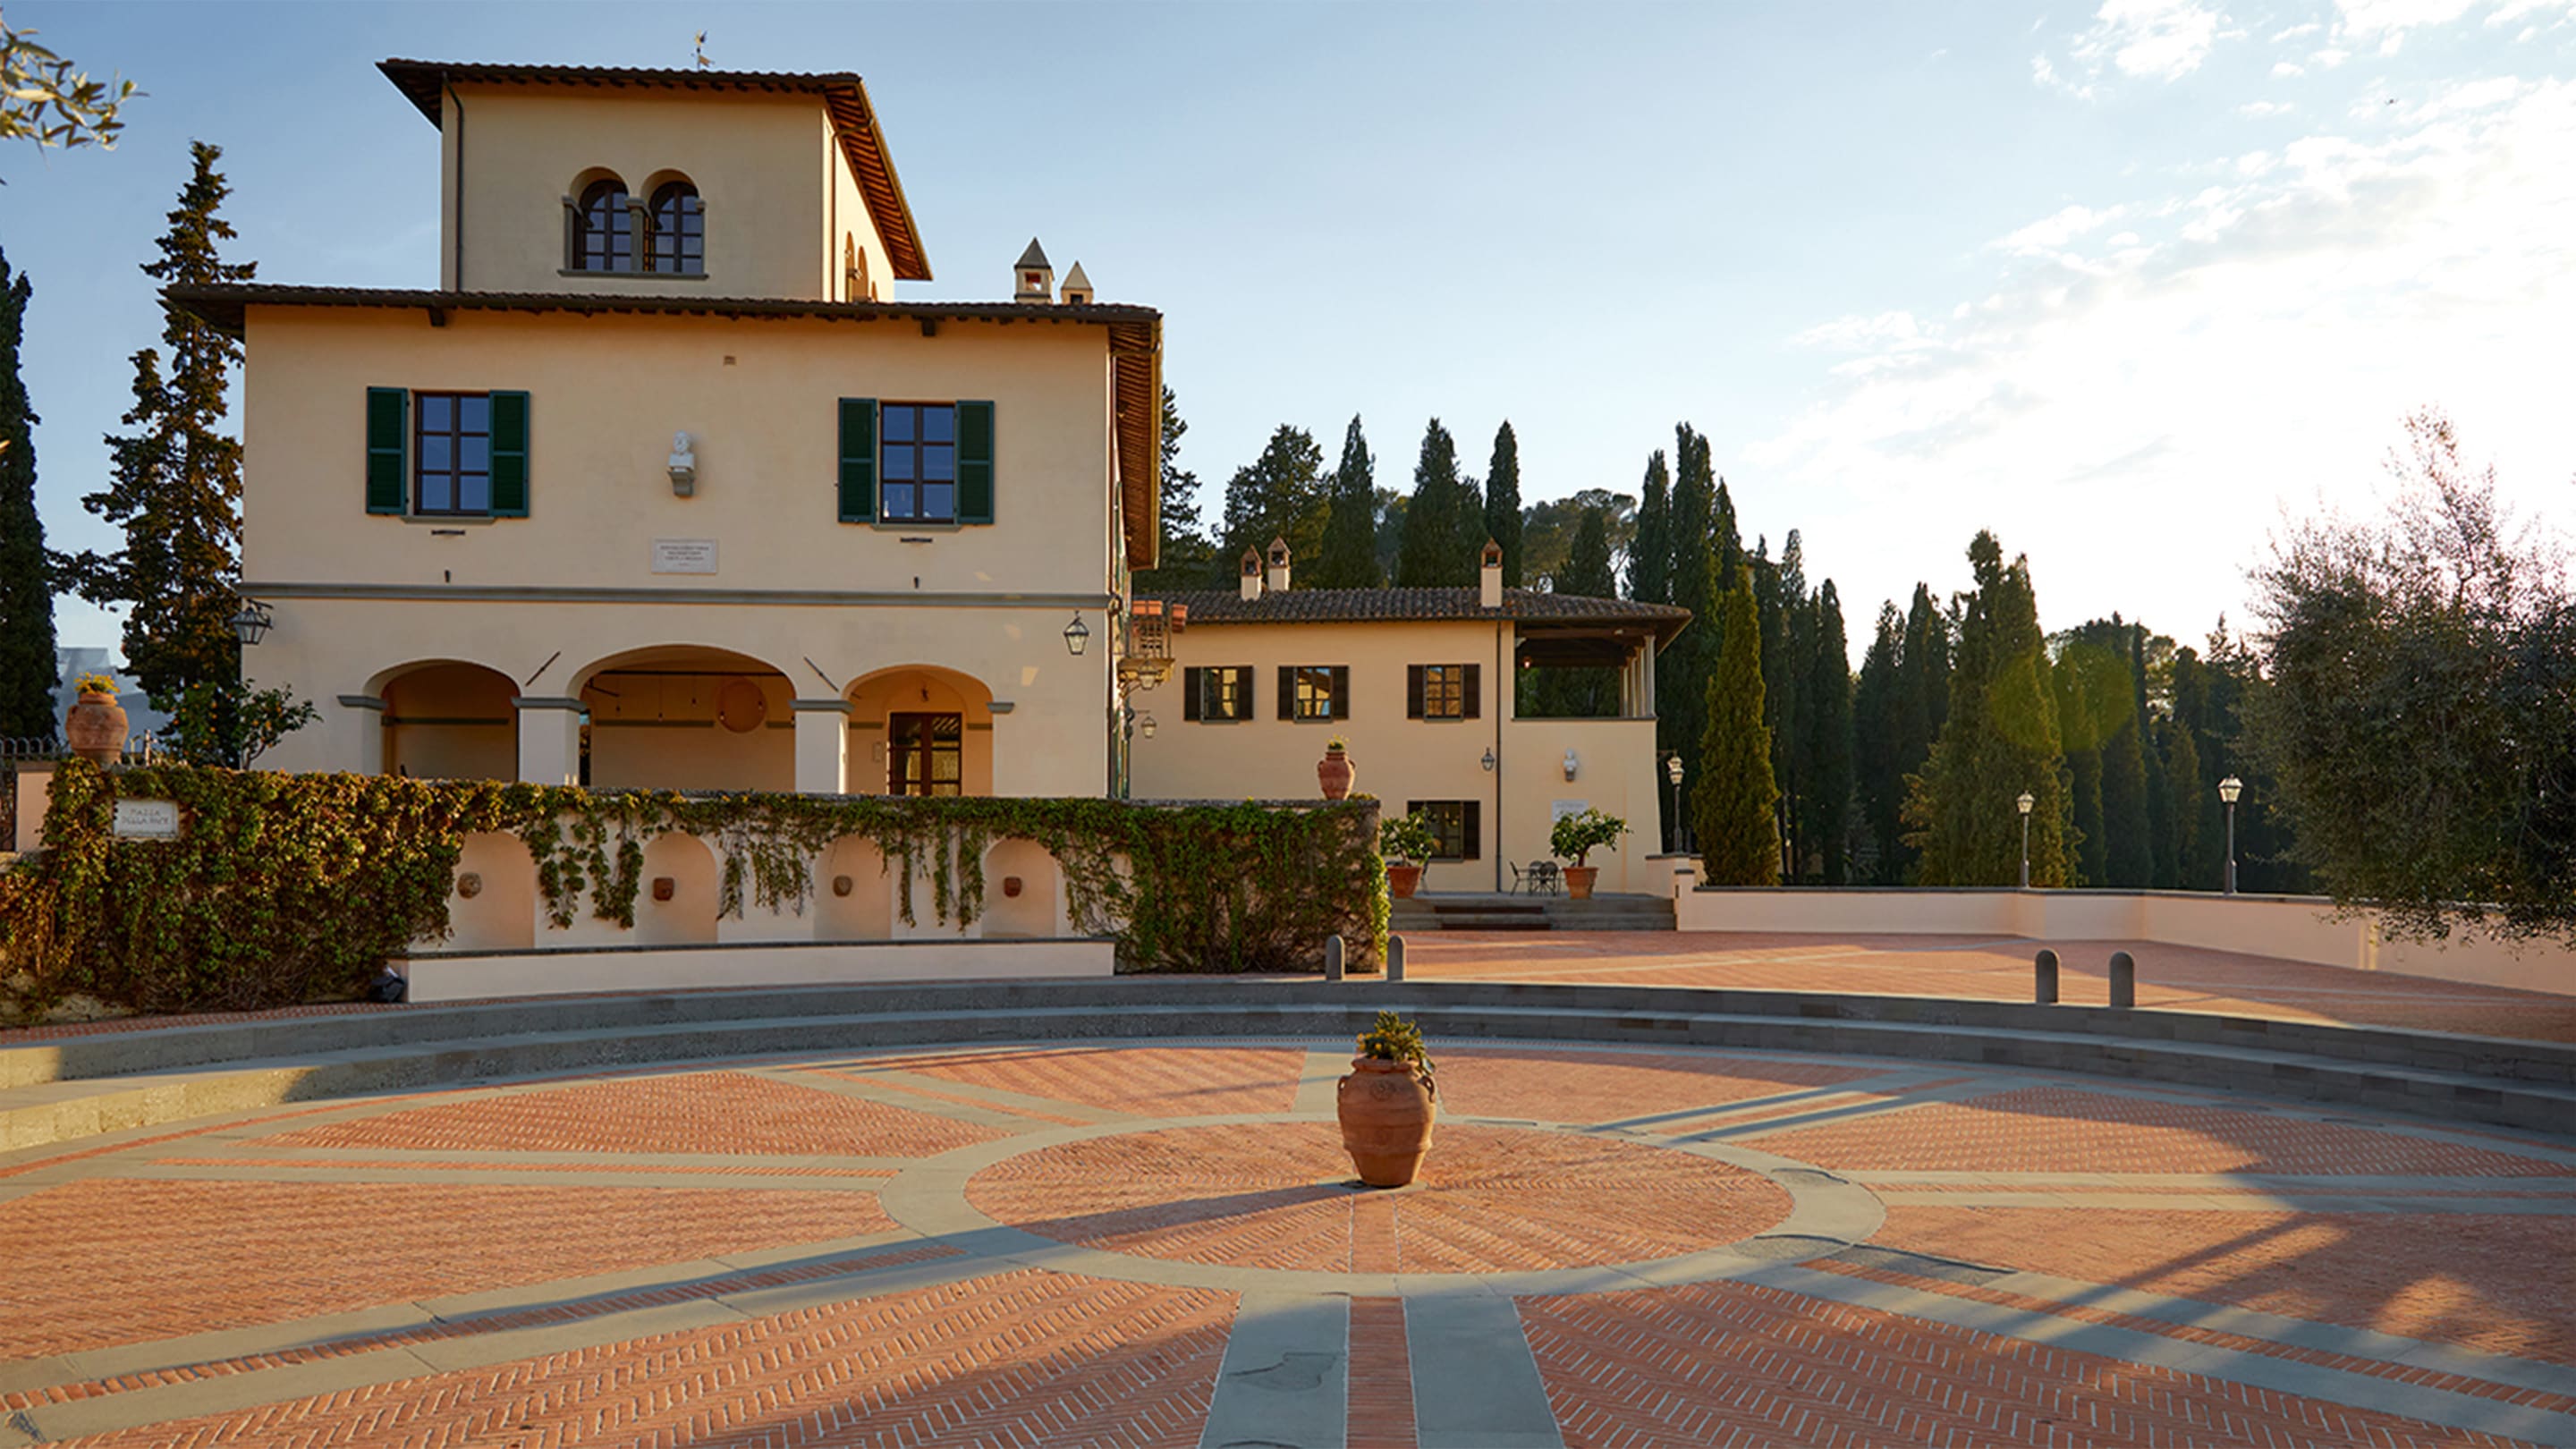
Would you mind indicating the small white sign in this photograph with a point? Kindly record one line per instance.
(1568, 807)
(684, 555)
(147, 819)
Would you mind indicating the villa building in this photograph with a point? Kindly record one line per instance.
(662, 487)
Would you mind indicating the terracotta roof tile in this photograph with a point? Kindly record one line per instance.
(1354, 606)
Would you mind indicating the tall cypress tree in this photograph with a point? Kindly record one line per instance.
(1733, 799)
(1436, 517)
(177, 479)
(1999, 741)
(1503, 502)
(1650, 558)
(1682, 672)
(2182, 805)
(1788, 644)
(1826, 698)
(1878, 779)
(2162, 872)
(1349, 559)
(1587, 569)
(2080, 742)
(1723, 538)
(26, 597)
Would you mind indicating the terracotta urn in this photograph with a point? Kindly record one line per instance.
(95, 726)
(1579, 879)
(1403, 880)
(1387, 1115)
(1334, 773)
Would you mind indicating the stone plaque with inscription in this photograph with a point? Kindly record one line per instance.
(147, 820)
(684, 555)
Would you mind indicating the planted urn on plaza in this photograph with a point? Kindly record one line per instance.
(95, 724)
(1389, 1103)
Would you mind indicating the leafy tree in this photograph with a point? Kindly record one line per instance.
(1503, 503)
(1827, 694)
(1650, 558)
(1349, 559)
(1878, 781)
(2000, 740)
(1440, 514)
(177, 479)
(1682, 671)
(42, 99)
(2421, 719)
(1189, 555)
(1278, 495)
(26, 597)
(226, 722)
(1548, 529)
(1733, 793)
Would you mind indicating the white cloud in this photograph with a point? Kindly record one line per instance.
(2295, 31)
(2329, 58)
(2286, 69)
(2259, 110)
(2162, 40)
(2229, 352)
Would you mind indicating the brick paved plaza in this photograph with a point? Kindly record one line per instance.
(1130, 1244)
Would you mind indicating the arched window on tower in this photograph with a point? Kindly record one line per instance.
(603, 231)
(679, 229)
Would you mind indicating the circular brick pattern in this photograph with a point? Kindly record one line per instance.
(1279, 1195)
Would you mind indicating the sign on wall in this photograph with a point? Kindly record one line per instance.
(684, 555)
(147, 820)
(1567, 807)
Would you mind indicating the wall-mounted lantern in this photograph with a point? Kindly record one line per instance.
(252, 624)
(1488, 762)
(1077, 635)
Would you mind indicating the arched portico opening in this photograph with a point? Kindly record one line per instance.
(448, 720)
(919, 729)
(687, 717)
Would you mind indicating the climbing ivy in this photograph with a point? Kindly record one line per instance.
(285, 888)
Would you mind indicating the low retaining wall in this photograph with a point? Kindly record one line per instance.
(2291, 928)
(436, 976)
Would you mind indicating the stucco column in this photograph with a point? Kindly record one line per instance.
(362, 733)
(823, 746)
(549, 740)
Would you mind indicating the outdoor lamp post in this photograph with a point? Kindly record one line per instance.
(251, 624)
(2228, 790)
(1077, 635)
(2024, 804)
(1673, 772)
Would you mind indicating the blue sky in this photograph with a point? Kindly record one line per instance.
(2120, 281)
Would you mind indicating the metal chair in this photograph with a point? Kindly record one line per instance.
(1544, 876)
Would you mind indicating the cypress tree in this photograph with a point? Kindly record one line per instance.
(176, 489)
(1278, 495)
(26, 597)
(1587, 570)
(2181, 786)
(1349, 559)
(1723, 539)
(1734, 794)
(2000, 740)
(1578, 692)
(2162, 871)
(1878, 781)
(2083, 756)
(1788, 649)
(1650, 558)
(1682, 672)
(1189, 555)
(1436, 518)
(1503, 502)
(1826, 696)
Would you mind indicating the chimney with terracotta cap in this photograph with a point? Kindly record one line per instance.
(1489, 590)
(1251, 575)
(1277, 582)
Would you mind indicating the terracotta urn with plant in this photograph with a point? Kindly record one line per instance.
(95, 724)
(1389, 1103)
(1334, 771)
(1406, 842)
(1574, 839)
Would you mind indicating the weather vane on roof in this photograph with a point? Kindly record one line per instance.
(703, 62)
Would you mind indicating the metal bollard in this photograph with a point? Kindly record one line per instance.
(2044, 978)
(2124, 979)
(1395, 958)
(1332, 958)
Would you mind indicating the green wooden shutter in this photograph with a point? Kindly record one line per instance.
(858, 460)
(1287, 691)
(1191, 683)
(1475, 830)
(1341, 691)
(1472, 682)
(974, 462)
(1413, 691)
(388, 447)
(509, 455)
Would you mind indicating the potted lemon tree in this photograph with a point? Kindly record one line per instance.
(1406, 841)
(1574, 839)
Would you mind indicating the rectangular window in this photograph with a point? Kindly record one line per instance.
(1222, 693)
(1440, 691)
(925, 754)
(1314, 691)
(452, 454)
(917, 463)
(1456, 827)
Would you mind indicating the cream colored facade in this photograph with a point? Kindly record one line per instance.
(1522, 773)
(744, 631)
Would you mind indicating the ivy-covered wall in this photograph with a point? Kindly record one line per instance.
(286, 888)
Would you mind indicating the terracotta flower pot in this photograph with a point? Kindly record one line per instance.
(1387, 1115)
(95, 726)
(1334, 773)
(1579, 879)
(1403, 880)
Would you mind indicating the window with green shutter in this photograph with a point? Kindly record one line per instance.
(509, 455)
(858, 476)
(974, 462)
(388, 440)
